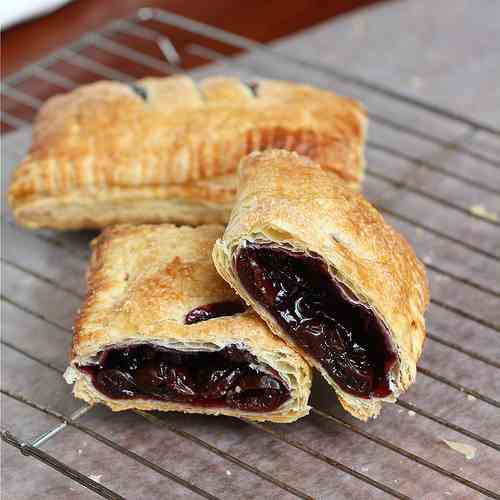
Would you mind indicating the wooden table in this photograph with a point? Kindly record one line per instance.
(260, 20)
(426, 71)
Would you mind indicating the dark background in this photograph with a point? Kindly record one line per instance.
(262, 20)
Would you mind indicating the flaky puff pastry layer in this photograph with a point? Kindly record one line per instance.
(168, 150)
(290, 201)
(142, 281)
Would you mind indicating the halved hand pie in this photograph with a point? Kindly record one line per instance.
(160, 330)
(318, 263)
(166, 149)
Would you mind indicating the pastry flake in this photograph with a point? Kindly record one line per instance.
(166, 149)
(329, 276)
(160, 330)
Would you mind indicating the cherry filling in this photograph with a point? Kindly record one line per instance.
(215, 310)
(230, 377)
(321, 315)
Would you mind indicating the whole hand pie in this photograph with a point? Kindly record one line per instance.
(160, 330)
(166, 149)
(318, 263)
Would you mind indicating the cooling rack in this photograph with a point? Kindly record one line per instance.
(430, 171)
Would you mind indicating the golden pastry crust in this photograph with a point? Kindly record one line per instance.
(102, 154)
(288, 200)
(142, 281)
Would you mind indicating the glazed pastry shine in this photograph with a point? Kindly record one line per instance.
(291, 203)
(167, 149)
(150, 288)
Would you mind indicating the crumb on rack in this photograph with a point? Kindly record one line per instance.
(481, 211)
(466, 449)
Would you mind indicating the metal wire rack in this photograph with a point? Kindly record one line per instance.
(426, 198)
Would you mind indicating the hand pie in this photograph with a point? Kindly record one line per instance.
(318, 263)
(166, 149)
(160, 330)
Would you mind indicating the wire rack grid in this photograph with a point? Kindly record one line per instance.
(424, 195)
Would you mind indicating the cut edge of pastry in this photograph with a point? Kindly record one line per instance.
(359, 407)
(291, 368)
(114, 268)
(406, 337)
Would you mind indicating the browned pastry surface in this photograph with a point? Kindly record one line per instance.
(291, 202)
(103, 154)
(142, 282)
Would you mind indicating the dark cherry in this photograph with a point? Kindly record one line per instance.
(218, 382)
(255, 391)
(162, 378)
(180, 381)
(254, 381)
(235, 355)
(128, 359)
(115, 384)
(321, 315)
(254, 400)
(227, 377)
(215, 310)
(151, 375)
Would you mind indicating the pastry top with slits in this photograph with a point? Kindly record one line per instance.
(177, 139)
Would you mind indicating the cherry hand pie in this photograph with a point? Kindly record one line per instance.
(160, 330)
(318, 263)
(166, 149)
